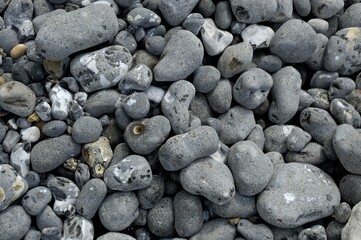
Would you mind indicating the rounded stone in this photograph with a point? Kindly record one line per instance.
(253, 12)
(14, 223)
(86, 129)
(161, 218)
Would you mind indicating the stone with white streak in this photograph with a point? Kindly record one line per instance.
(214, 40)
(20, 158)
(60, 99)
(101, 69)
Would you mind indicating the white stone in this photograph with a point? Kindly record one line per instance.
(60, 99)
(214, 40)
(31, 134)
(20, 158)
(258, 36)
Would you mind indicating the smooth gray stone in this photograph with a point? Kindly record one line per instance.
(325, 9)
(252, 88)
(352, 230)
(36, 199)
(215, 228)
(174, 12)
(345, 140)
(319, 25)
(351, 16)
(220, 98)
(206, 8)
(8, 40)
(270, 63)
(302, 7)
(12, 186)
(138, 78)
(118, 210)
(239, 207)
(48, 219)
(127, 40)
(350, 188)
(54, 128)
(115, 236)
(132, 173)
(257, 136)
(188, 214)
(198, 143)
(51, 153)
(316, 61)
(40, 20)
(334, 230)
(32, 235)
(17, 98)
(276, 137)
(343, 112)
(193, 22)
(91, 196)
(181, 56)
(206, 78)
(318, 123)
(251, 168)
(254, 231)
(312, 153)
(223, 15)
(86, 129)
(94, 24)
(143, 17)
(237, 124)
(145, 136)
(103, 102)
(161, 218)
(303, 191)
(14, 223)
(342, 212)
(209, 178)
(101, 69)
(335, 53)
(302, 37)
(155, 45)
(136, 105)
(253, 12)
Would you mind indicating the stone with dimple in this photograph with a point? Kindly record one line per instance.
(181, 56)
(304, 193)
(12, 186)
(101, 69)
(17, 98)
(253, 11)
(214, 40)
(94, 24)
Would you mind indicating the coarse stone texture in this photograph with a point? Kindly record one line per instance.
(352, 230)
(94, 24)
(253, 12)
(304, 193)
(14, 223)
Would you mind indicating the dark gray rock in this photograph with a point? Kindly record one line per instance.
(253, 12)
(14, 223)
(239, 207)
(54, 128)
(150, 195)
(161, 218)
(254, 231)
(350, 189)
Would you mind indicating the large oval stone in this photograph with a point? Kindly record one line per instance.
(297, 194)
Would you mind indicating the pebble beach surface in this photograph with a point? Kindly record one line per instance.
(180, 119)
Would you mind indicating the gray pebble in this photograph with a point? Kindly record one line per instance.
(206, 8)
(235, 59)
(251, 168)
(210, 179)
(138, 78)
(239, 207)
(51, 153)
(351, 18)
(354, 98)
(341, 87)
(343, 112)
(26, 31)
(8, 39)
(352, 229)
(121, 151)
(312, 153)
(302, 185)
(301, 35)
(115, 236)
(155, 45)
(86, 130)
(13, 93)
(325, 9)
(43, 110)
(317, 232)
(174, 12)
(319, 25)
(188, 214)
(257, 136)
(206, 78)
(320, 98)
(3, 130)
(297, 139)
(223, 15)
(101, 69)
(175, 107)
(276, 137)
(215, 228)
(198, 143)
(275, 157)
(51, 233)
(69, 26)
(11, 139)
(32, 235)
(193, 23)
(345, 137)
(254, 12)
(214, 40)
(54, 128)
(132, 173)
(146, 136)
(252, 88)
(90, 198)
(237, 27)
(48, 219)
(33, 179)
(258, 36)
(318, 123)
(122, 119)
(12, 186)
(220, 98)
(254, 231)
(270, 63)
(181, 56)
(200, 108)
(143, 17)
(41, 19)
(65, 193)
(136, 105)
(127, 40)
(150, 195)
(350, 189)
(17, 12)
(14, 223)
(302, 7)
(316, 61)
(36, 199)
(161, 218)
(237, 124)
(285, 94)
(102, 102)
(82, 175)
(60, 100)
(342, 212)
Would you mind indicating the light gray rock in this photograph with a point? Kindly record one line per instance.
(258, 36)
(215, 228)
(254, 231)
(352, 230)
(14, 223)
(253, 12)
(174, 12)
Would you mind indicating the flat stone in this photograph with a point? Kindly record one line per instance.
(297, 194)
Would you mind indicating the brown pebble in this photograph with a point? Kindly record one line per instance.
(2, 80)
(33, 118)
(18, 51)
(234, 221)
